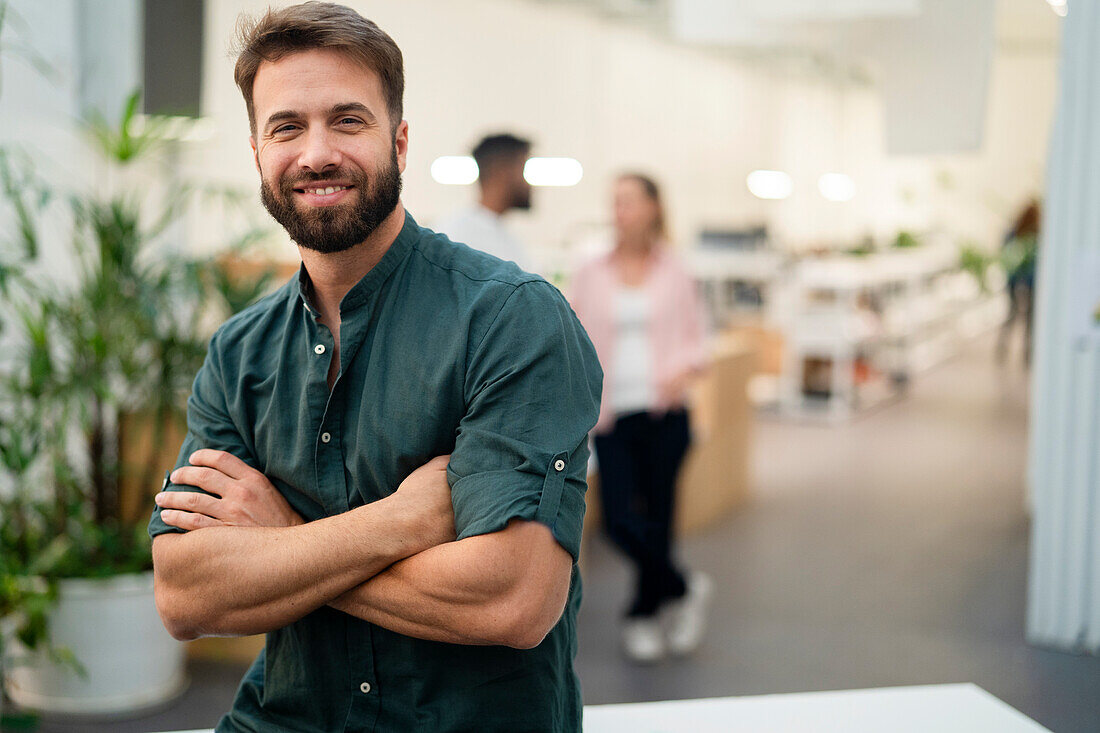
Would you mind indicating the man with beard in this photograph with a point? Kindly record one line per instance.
(384, 469)
(500, 163)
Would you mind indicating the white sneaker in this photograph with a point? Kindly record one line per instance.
(685, 618)
(643, 640)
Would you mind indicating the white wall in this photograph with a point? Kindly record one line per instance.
(611, 97)
(619, 98)
(60, 59)
(615, 98)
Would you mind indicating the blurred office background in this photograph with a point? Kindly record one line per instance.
(842, 178)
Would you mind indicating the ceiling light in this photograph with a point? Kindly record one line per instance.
(770, 184)
(454, 170)
(553, 171)
(1059, 7)
(837, 187)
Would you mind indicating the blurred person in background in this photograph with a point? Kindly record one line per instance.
(642, 312)
(500, 161)
(1018, 256)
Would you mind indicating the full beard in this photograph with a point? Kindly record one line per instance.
(521, 199)
(337, 228)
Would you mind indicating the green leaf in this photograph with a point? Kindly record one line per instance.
(51, 557)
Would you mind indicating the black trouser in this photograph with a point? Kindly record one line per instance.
(639, 460)
(1021, 299)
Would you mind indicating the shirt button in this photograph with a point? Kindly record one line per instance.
(325, 437)
(559, 465)
(319, 349)
(364, 688)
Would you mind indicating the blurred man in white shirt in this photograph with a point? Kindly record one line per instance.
(500, 161)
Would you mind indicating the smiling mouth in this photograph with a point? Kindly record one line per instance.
(322, 190)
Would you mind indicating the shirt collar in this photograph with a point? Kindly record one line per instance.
(378, 274)
(304, 288)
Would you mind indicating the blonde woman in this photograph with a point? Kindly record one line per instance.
(643, 314)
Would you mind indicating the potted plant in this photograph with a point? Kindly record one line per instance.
(91, 365)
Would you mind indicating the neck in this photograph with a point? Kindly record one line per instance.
(333, 275)
(635, 246)
(494, 200)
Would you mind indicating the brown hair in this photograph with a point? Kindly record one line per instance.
(313, 25)
(653, 193)
(1029, 220)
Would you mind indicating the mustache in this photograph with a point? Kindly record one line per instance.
(337, 175)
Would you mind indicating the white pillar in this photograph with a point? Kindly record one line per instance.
(1064, 472)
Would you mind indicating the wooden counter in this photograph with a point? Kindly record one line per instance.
(714, 479)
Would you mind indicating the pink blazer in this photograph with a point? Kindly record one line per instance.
(676, 330)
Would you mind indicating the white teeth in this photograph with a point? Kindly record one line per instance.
(326, 191)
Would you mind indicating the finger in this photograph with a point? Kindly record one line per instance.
(207, 479)
(190, 501)
(227, 463)
(188, 520)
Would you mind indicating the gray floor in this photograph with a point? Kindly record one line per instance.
(889, 551)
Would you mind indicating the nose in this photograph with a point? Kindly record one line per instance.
(320, 153)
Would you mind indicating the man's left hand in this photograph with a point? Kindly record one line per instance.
(242, 496)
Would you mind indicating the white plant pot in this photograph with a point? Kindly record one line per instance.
(112, 628)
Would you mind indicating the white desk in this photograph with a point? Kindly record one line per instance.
(940, 708)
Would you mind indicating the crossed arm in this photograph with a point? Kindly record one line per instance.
(250, 564)
(507, 588)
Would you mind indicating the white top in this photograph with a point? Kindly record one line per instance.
(633, 385)
(483, 229)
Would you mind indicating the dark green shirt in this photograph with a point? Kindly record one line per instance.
(443, 349)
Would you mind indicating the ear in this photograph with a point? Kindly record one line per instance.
(401, 144)
(255, 154)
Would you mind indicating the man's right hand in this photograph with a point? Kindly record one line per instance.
(200, 575)
(425, 499)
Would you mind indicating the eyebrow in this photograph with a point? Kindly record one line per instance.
(290, 114)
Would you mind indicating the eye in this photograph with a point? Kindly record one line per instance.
(349, 121)
(282, 129)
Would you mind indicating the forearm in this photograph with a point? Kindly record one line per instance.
(229, 581)
(434, 596)
(479, 591)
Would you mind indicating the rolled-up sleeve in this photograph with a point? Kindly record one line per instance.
(209, 425)
(533, 386)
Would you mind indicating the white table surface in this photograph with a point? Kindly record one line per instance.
(964, 708)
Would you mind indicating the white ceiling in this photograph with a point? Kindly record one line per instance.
(930, 59)
(788, 24)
